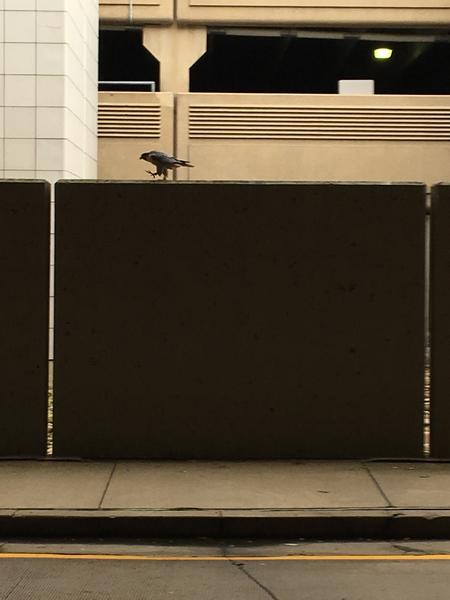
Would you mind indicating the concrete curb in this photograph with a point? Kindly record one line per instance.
(345, 524)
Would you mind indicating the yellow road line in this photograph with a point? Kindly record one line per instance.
(298, 557)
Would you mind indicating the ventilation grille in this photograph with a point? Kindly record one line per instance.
(129, 120)
(315, 123)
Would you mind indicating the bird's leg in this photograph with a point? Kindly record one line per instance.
(152, 174)
(165, 174)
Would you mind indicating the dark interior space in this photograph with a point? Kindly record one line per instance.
(291, 64)
(122, 57)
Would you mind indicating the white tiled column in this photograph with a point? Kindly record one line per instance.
(48, 93)
(48, 88)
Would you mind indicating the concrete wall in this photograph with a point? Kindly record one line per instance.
(48, 88)
(440, 322)
(24, 260)
(314, 137)
(200, 320)
(308, 12)
(278, 137)
(290, 12)
(130, 124)
(137, 11)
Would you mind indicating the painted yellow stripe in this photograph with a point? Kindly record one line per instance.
(298, 557)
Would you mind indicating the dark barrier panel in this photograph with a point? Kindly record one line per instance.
(440, 321)
(239, 320)
(24, 267)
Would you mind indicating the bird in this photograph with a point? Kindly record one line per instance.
(163, 162)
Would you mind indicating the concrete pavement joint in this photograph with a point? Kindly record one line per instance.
(243, 570)
(408, 549)
(13, 589)
(377, 485)
(107, 485)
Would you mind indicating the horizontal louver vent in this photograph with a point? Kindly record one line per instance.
(129, 120)
(313, 123)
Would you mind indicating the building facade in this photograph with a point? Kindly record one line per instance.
(48, 88)
(244, 89)
(293, 124)
(48, 94)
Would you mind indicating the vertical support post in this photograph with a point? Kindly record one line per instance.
(177, 48)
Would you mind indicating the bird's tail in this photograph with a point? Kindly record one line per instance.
(185, 163)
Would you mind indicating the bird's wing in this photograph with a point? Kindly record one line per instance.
(164, 158)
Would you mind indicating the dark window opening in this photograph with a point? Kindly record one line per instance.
(291, 64)
(122, 57)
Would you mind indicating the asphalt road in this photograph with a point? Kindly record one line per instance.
(284, 571)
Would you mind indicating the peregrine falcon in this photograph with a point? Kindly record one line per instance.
(163, 162)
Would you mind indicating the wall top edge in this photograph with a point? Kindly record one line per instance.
(136, 95)
(340, 97)
(24, 181)
(276, 96)
(238, 182)
(440, 21)
(126, 22)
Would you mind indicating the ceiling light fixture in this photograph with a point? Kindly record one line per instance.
(382, 53)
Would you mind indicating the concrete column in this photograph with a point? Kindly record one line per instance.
(177, 49)
(48, 88)
(48, 92)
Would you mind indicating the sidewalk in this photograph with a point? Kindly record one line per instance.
(264, 499)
